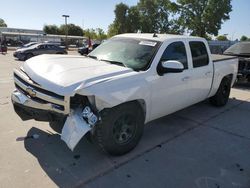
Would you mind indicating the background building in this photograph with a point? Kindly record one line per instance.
(17, 37)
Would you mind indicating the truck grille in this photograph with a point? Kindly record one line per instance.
(38, 89)
(57, 102)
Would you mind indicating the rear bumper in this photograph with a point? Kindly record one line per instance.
(27, 109)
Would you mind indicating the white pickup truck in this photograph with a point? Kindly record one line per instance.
(127, 81)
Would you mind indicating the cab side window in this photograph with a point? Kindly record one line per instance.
(41, 47)
(176, 51)
(199, 54)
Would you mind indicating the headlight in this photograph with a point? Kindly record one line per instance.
(88, 115)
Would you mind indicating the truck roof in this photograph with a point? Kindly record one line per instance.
(159, 37)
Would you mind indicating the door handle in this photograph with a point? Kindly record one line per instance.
(208, 73)
(186, 78)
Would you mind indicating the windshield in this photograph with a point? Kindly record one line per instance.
(239, 48)
(133, 53)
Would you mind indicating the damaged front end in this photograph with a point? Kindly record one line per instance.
(82, 119)
(31, 101)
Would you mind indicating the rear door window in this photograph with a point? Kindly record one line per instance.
(176, 51)
(199, 54)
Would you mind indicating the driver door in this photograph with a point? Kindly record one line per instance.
(170, 92)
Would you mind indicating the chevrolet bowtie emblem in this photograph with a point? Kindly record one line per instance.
(31, 91)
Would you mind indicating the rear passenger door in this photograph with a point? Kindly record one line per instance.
(49, 49)
(202, 70)
(54, 49)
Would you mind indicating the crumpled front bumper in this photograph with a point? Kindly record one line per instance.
(31, 101)
(75, 126)
(27, 108)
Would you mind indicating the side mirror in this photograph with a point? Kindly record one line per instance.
(170, 66)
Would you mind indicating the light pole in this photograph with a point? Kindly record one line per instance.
(66, 30)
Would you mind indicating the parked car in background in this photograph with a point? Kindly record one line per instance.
(85, 49)
(38, 49)
(27, 45)
(241, 50)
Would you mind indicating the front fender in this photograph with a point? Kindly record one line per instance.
(115, 92)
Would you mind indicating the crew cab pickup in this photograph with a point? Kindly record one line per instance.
(125, 82)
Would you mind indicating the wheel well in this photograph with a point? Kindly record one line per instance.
(140, 102)
(229, 77)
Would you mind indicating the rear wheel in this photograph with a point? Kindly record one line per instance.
(222, 95)
(121, 128)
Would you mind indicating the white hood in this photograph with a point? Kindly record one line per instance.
(59, 72)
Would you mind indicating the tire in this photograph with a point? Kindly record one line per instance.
(121, 128)
(222, 95)
(57, 125)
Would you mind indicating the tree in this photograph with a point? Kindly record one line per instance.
(244, 38)
(155, 16)
(97, 33)
(127, 20)
(73, 30)
(133, 20)
(112, 30)
(55, 30)
(148, 16)
(202, 17)
(90, 33)
(222, 38)
(100, 34)
(51, 29)
(120, 22)
(2, 23)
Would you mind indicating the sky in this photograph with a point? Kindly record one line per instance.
(32, 14)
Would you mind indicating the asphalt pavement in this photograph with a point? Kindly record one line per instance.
(198, 147)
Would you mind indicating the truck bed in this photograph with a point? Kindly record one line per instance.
(217, 57)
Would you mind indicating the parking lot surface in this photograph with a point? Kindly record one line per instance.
(199, 147)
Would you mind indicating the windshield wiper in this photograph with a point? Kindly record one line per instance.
(114, 62)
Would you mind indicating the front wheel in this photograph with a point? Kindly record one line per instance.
(222, 95)
(121, 128)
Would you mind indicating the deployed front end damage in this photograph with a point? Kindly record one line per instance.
(79, 102)
(82, 118)
(77, 124)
